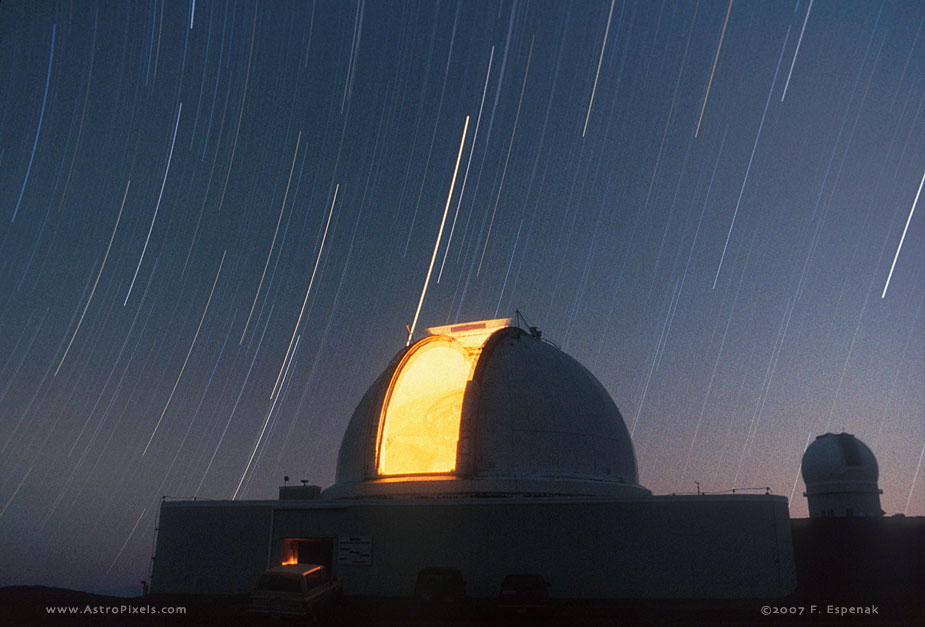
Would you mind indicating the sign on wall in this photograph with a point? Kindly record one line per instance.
(355, 550)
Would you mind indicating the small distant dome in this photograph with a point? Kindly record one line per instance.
(838, 457)
(485, 408)
(841, 475)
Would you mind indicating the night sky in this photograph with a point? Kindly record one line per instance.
(711, 205)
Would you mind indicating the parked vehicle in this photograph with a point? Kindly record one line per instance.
(295, 589)
(440, 585)
(524, 591)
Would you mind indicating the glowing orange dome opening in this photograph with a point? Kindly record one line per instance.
(419, 426)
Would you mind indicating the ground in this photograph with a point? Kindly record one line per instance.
(24, 606)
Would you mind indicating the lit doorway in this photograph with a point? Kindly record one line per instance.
(309, 551)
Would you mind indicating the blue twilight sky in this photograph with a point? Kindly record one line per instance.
(703, 202)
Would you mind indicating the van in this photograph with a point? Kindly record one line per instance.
(295, 589)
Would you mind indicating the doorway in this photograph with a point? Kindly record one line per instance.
(308, 551)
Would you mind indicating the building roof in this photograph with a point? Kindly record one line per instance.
(505, 413)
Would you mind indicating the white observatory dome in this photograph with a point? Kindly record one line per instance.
(485, 409)
(841, 474)
(838, 457)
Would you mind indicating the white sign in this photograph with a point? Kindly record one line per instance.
(355, 550)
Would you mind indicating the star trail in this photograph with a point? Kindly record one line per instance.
(216, 219)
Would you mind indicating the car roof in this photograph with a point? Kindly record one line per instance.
(294, 569)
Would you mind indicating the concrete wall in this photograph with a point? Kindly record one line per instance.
(657, 547)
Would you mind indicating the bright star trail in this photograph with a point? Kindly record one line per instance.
(903, 237)
(216, 219)
(433, 258)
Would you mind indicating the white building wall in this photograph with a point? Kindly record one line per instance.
(656, 547)
(211, 547)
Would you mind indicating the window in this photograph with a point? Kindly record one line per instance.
(279, 582)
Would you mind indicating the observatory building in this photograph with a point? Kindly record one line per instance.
(485, 409)
(840, 473)
(484, 448)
